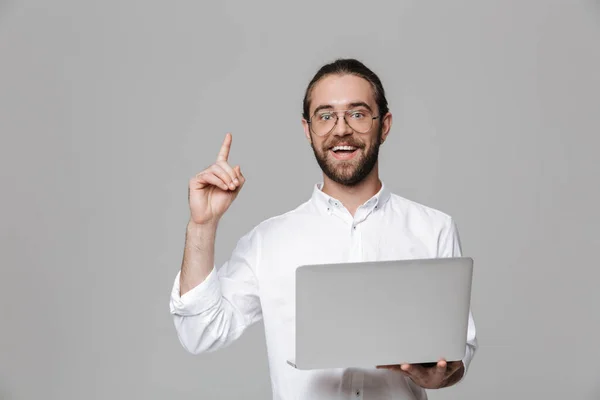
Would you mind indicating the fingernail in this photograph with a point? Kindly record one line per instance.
(236, 181)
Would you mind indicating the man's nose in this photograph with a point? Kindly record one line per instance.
(341, 128)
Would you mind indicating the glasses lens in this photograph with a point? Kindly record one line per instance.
(323, 122)
(360, 120)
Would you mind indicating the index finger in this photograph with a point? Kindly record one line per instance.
(224, 152)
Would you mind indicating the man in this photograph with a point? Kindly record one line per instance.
(351, 216)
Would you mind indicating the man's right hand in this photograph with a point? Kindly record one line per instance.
(212, 191)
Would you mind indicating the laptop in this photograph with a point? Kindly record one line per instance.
(365, 314)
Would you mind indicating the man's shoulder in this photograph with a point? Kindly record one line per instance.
(284, 221)
(414, 209)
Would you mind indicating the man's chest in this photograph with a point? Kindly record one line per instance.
(284, 252)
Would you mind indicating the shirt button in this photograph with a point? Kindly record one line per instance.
(357, 393)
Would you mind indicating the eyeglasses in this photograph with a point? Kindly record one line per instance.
(359, 120)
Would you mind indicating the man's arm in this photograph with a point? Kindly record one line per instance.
(198, 255)
(212, 307)
(449, 245)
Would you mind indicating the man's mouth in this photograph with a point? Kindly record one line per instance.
(344, 152)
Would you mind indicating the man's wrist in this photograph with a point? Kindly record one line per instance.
(207, 227)
(201, 236)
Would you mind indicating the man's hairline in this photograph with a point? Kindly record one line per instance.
(311, 89)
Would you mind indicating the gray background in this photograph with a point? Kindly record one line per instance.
(107, 108)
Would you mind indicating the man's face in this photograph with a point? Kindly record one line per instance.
(339, 93)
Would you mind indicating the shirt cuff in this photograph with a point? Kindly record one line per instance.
(199, 299)
(467, 358)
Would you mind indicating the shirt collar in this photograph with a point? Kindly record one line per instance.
(326, 203)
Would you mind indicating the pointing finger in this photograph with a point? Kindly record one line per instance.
(224, 152)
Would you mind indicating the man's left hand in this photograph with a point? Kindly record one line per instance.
(441, 375)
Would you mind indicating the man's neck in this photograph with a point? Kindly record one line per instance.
(353, 197)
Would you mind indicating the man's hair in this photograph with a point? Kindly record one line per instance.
(347, 66)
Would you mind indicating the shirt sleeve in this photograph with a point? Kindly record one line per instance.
(217, 311)
(449, 245)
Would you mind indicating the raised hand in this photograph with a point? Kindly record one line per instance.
(212, 191)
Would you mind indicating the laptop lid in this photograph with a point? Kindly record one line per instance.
(383, 312)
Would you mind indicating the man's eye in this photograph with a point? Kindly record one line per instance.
(325, 117)
(357, 114)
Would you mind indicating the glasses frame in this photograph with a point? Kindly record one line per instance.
(337, 119)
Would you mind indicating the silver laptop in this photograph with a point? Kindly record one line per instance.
(384, 312)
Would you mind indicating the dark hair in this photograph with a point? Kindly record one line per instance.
(347, 66)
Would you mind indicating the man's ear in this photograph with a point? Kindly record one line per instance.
(306, 130)
(386, 121)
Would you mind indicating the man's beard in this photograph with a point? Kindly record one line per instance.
(338, 172)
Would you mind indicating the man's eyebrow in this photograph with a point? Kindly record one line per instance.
(350, 106)
(360, 104)
(322, 107)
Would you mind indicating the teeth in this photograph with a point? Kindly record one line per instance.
(336, 148)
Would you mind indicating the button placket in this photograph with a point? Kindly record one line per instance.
(356, 244)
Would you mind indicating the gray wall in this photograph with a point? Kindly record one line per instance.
(107, 108)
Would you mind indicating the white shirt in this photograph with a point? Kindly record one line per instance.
(256, 283)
